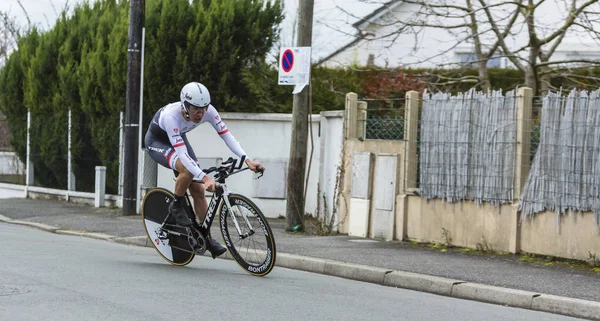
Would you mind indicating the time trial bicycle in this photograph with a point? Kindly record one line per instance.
(245, 230)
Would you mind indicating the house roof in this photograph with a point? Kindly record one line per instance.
(361, 24)
(375, 15)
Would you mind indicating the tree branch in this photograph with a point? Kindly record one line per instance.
(573, 13)
(586, 61)
(513, 58)
(506, 30)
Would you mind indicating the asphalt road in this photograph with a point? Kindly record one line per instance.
(58, 277)
(503, 271)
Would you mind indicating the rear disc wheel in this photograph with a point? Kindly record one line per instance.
(155, 207)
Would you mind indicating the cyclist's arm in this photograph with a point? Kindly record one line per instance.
(189, 147)
(178, 143)
(221, 129)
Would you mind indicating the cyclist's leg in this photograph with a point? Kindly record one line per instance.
(196, 190)
(161, 151)
(184, 179)
(200, 203)
(158, 149)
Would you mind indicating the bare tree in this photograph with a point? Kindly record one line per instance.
(521, 30)
(9, 33)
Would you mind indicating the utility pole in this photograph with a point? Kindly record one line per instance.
(297, 160)
(130, 179)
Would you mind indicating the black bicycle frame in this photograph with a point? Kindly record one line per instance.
(217, 195)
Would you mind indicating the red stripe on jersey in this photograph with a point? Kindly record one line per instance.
(178, 145)
(224, 132)
(169, 158)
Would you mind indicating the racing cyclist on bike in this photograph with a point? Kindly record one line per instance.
(167, 144)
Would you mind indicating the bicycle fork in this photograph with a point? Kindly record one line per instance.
(233, 216)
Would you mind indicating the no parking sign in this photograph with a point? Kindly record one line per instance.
(294, 67)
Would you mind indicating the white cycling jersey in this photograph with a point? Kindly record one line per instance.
(172, 122)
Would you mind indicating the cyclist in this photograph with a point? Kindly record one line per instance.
(167, 144)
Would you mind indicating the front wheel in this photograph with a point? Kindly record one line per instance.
(254, 248)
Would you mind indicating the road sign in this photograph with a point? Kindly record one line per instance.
(294, 67)
(287, 60)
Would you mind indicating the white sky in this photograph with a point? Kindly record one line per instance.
(331, 29)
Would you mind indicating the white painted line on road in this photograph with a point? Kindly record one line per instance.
(4, 218)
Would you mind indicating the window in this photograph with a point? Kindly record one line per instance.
(467, 58)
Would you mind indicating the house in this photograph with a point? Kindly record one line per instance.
(406, 34)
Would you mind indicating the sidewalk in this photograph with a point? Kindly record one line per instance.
(495, 279)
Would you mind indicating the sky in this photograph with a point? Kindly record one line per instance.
(332, 26)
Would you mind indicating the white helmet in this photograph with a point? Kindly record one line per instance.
(194, 94)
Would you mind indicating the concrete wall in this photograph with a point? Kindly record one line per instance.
(498, 228)
(10, 164)
(463, 224)
(266, 137)
(330, 168)
(12, 170)
(572, 236)
(376, 147)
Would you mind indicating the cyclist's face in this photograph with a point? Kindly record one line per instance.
(197, 113)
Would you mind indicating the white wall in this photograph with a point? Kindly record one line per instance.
(331, 150)
(10, 164)
(266, 137)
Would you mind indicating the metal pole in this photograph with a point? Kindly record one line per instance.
(70, 175)
(141, 153)
(29, 166)
(130, 179)
(298, 153)
(121, 155)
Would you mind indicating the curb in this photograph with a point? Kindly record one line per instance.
(411, 281)
(41, 226)
(133, 240)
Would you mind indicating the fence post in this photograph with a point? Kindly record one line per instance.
(523, 152)
(522, 161)
(29, 179)
(351, 115)
(70, 175)
(411, 126)
(361, 120)
(100, 186)
(120, 154)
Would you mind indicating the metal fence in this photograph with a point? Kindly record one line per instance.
(385, 118)
(565, 173)
(66, 158)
